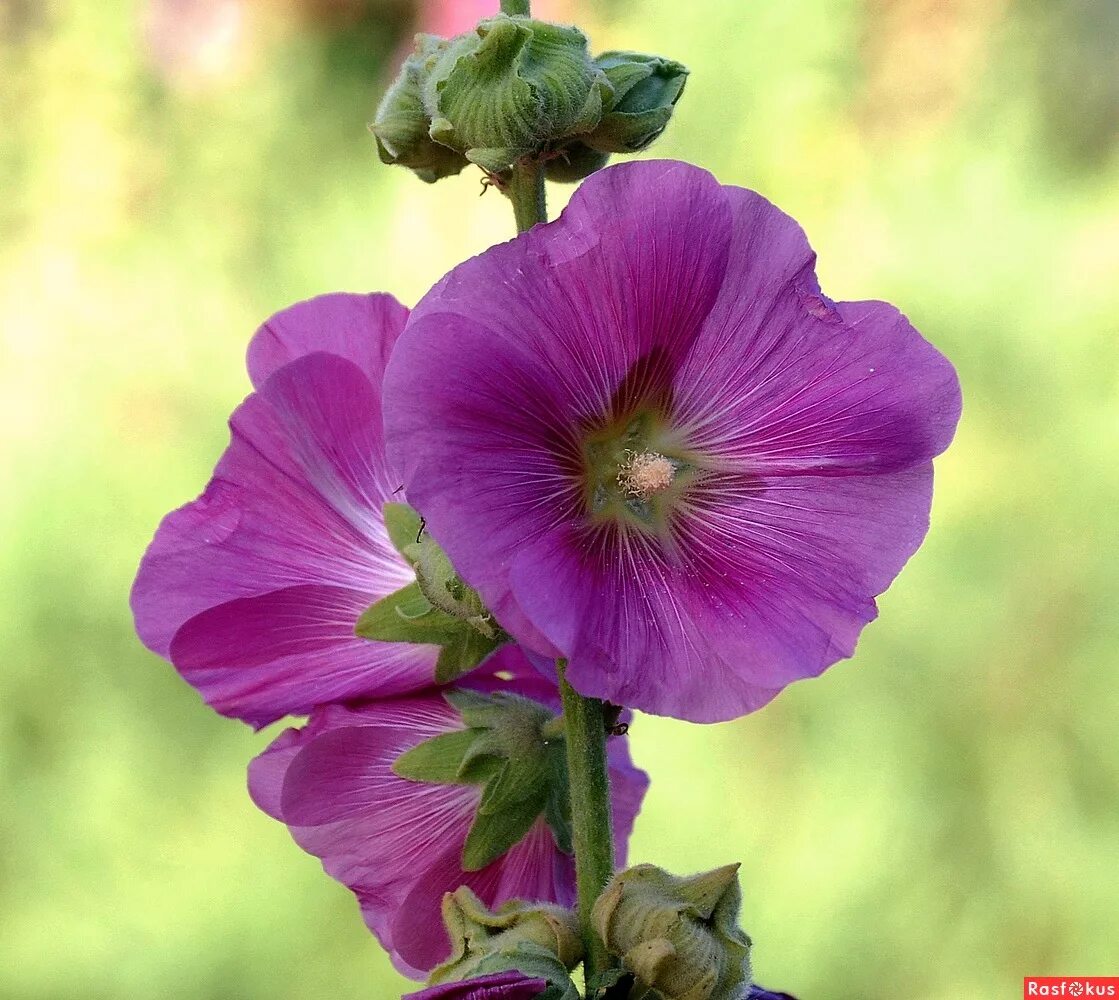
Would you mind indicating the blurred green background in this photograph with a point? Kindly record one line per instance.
(935, 819)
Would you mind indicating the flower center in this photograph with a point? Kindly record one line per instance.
(635, 470)
(646, 473)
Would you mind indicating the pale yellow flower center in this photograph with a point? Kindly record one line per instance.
(645, 474)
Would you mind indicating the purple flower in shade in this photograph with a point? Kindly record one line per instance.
(758, 993)
(657, 450)
(397, 844)
(253, 590)
(500, 986)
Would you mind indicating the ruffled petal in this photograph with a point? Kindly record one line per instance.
(360, 328)
(782, 381)
(287, 545)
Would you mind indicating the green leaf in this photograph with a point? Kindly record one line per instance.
(403, 525)
(492, 834)
(407, 616)
(435, 761)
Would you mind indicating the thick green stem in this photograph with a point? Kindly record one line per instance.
(590, 811)
(526, 191)
(514, 7)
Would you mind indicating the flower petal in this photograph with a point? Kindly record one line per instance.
(295, 502)
(361, 328)
(499, 986)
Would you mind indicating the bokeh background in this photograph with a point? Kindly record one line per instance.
(934, 819)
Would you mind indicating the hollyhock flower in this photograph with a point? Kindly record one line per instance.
(253, 589)
(500, 986)
(657, 450)
(398, 844)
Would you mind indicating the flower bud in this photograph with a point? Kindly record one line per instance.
(401, 125)
(511, 88)
(677, 936)
(646, 89)
(539, 940)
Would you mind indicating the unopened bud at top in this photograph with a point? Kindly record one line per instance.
(401, 125)
(645, 90)
(679, 937)
(512, 88)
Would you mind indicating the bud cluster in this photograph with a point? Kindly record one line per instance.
(516, 88)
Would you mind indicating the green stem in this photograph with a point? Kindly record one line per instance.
(526, 191)
(515, 7)
(590, 810)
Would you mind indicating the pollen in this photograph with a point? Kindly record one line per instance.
(645, 474)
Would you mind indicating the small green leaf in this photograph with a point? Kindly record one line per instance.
(400, 618)
(403, 525)
(435, 761)
(492, 834)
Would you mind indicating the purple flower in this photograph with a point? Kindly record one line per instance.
(397, 843)
(253, 590)
(758, 993)
(500, 986)
(657, 450)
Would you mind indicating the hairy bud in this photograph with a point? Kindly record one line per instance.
(539, 940)
(512, 88)
(401, 125)
(679, 937)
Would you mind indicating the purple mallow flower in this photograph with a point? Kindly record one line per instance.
(500, 986)
(397, 843)
(253, 590)
(658, 451)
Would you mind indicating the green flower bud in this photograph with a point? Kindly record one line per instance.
(539, 940)
(511, 88)
(679, 937)
(646, 89)
(401, 125)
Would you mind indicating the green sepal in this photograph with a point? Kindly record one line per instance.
(492, 834)
(462, 653)
(505, 750)
(573, 162)
(403, 524)
(438, 609)
(407, 615)
(437, 760)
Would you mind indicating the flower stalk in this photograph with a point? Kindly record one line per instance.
(526, 191)
(585, 723)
